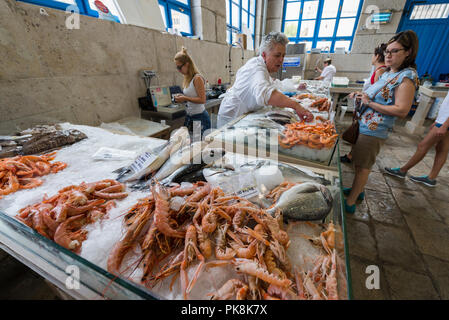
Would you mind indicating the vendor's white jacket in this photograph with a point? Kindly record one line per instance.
(328, 73)
(252, 89)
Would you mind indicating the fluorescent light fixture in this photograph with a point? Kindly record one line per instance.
(381, 17)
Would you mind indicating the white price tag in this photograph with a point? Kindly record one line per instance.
(247, 185)
(143, 161)
(247, 192)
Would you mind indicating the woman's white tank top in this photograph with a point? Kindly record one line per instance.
(190, 91)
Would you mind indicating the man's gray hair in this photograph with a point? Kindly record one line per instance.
(271, 39)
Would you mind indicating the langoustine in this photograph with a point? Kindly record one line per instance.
(62, 216)
(258, 254)
(21, 172)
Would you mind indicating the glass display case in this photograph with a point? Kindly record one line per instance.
(83, 279)
(251, 131)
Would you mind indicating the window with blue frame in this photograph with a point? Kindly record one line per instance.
(240, 16)
(104, 9)
(323, 24)
(177, 16)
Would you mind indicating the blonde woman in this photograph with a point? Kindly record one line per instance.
(194, 92)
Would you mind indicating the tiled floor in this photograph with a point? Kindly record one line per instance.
(401, 227)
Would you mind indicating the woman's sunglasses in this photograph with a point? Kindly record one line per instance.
(180, 67)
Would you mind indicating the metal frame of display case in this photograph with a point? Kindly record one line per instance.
(343, 226)
(51, 261)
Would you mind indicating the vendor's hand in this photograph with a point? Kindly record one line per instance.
(302, 86)
(180, 98)
(304, 114)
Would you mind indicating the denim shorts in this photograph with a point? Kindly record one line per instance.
(439, 125)
(200, 117)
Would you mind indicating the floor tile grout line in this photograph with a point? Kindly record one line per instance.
(420, 254)
(372, 233)
(370, 225)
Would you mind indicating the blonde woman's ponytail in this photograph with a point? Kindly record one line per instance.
(183, 57)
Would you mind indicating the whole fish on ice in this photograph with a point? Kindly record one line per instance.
(289, 173)
(304, 201)
(262, 123)
(191, 172)
(151, 161)
(184, 162)
(286, 112)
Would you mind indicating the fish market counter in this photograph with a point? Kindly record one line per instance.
(83, 273)
(257, 134)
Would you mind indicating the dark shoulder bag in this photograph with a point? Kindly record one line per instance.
(352, 133)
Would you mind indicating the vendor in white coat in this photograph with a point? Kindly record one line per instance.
(328, 72)
(254, 88)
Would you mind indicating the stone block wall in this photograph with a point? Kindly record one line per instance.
(49, 73)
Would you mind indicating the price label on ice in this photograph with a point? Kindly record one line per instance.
(143, 161)
(247, 187)
(247, 192)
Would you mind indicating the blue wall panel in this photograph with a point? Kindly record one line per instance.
(433, 35)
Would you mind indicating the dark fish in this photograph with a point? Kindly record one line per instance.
(187, 173)
(280, 119)
(41, 139)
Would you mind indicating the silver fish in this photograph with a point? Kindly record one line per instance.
(281, 119)
(263, 123)
(290, 173)
(286, 112)
(155, 158)
(188, 155)
(305, 201)
(194, 170)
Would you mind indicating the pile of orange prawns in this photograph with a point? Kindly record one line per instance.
(215, 229)
(320, 103)
(316, 136)
(21, 172)
(62, 217)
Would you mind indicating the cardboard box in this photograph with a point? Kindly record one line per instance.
(240, 37)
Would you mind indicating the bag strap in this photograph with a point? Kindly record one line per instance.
(363, 108)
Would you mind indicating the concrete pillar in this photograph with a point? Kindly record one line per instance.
(274, 15)
(209, 20)
(415, 126)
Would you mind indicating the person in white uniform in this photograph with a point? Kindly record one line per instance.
(328, 72)
(437, 136)
(254, 88)
(194, 93)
